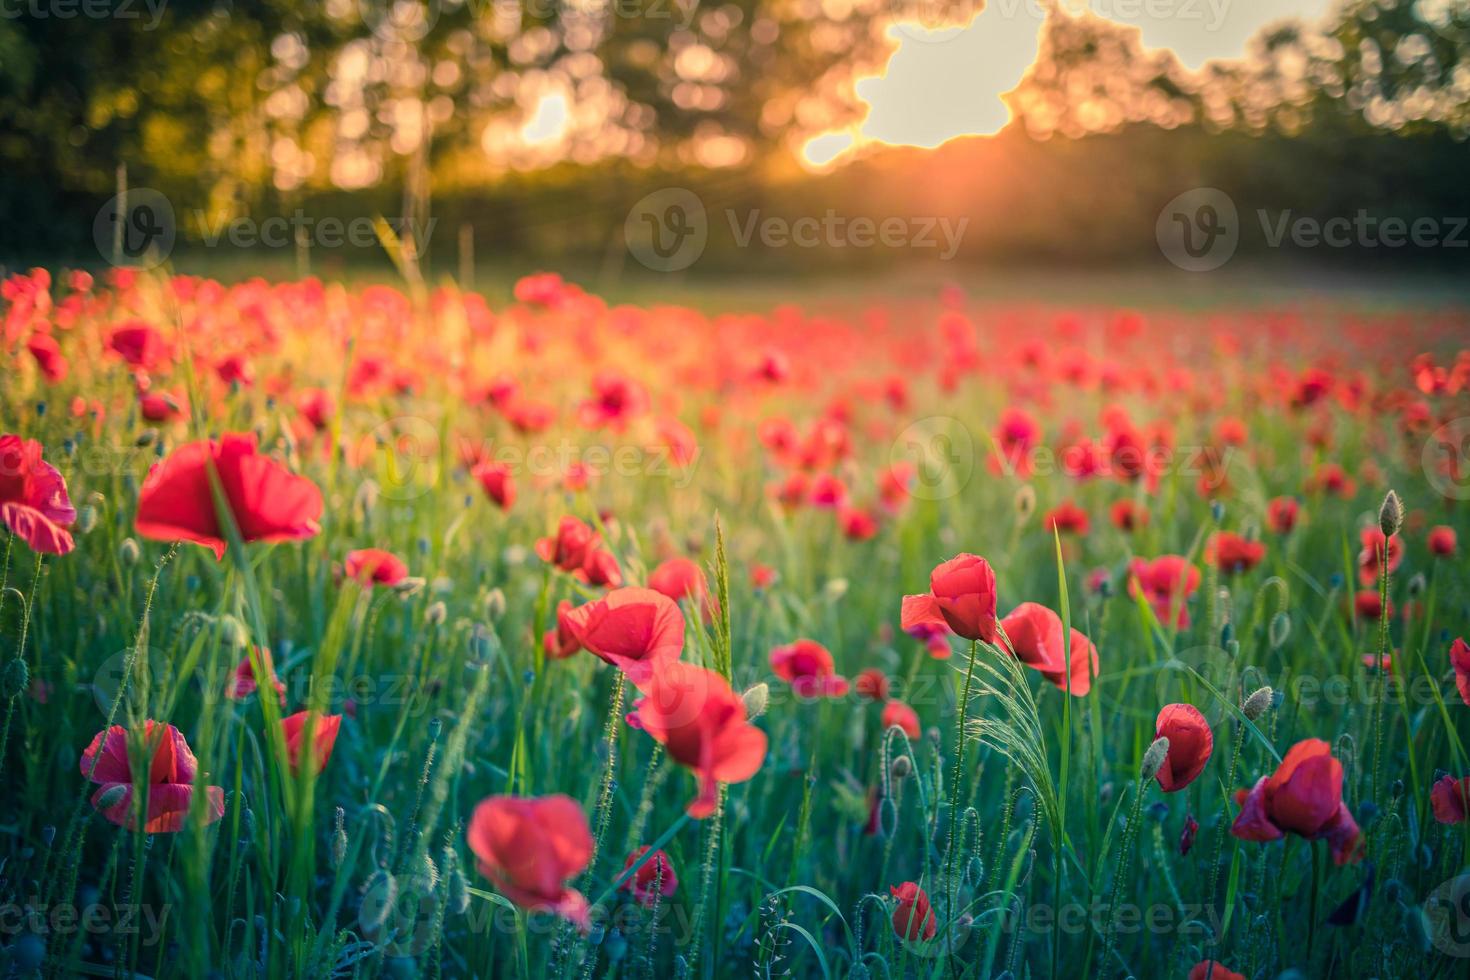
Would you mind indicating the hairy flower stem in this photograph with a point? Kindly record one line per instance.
(1382, 674)
(1124, 865)
(950, 892)
(604, 795)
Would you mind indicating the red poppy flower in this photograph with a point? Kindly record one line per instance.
(615, 401)
(47, 352)
(1190, 745)
(1460, 661)
(1368, 604)
(1066, 518)
(1442, 541)
(872, 684)
(695, 715)
(1034, 634)
(1303, 797)
(961, 596)
(858, 524)
(636, 630)
(1128, 516)
(896, 714)
(561, 642)
(268, 502)
(600, 567)
(808, 667)
(680, 579)
(568, 550)
(1374, 548)
(1166, 582)
(1232, 553)
(33, 499)
(912, 917)
(1282, 514)
(1450, 798)
(172, 770)
(243, 683)
(323, 737)
(1213, 970)
(374, 566)
(138, 344)
(655, 877)
(762, 576)
(529, 846)
(497, 482)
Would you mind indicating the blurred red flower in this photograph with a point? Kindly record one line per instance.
(33, 499)
(1166, 582)
(374, 566)
(497, 482)
(1442, 541)
(1212, 970)
(1450, 798)
(1066, 518)
(680, 579)
(529, 846)
(243, 683)
(1232, 553)
(268, 502)
(323, 737)
(695, 715)
(1371, 557)
(654, 877)
(872, 684)
(1460, 662)
(172, 769)
(896, 714)
(636, 630)
(808, 667)
(1282, 514)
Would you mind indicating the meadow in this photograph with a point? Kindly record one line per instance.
(384, 630)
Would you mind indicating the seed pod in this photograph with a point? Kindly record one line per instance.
(1280, 630)
(1417, 585)
(1256, 705)
(409, 586)
(86, 518)
(1153, 759)
(436, 614)
(1391, 515)
(756, 699)
(494, 604)
(129, 551)
(900, 767)
(15, 679)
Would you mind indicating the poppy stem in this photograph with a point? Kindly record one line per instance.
(1382, 674)
(950, 892)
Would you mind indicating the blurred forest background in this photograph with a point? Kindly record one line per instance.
(538, 123)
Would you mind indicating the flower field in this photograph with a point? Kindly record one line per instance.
(364, 631)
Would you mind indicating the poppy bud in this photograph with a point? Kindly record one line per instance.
(1391, 515)
(1280, 630)
(1256, 705)
(111, 797)
(459, 889)
(380, 896)
(1416, 585)
(1153, 759)
(146, 438)
(901, 767)
(887, 818)
(494, 604)
(231, 632)
(756, 699)
(129, 551)
(408, 586)
(1397, 788)
(16, 678)
(86, 518)
(436, 614)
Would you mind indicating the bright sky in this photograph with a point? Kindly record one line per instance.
(945, 83)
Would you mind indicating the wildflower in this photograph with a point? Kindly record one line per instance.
(635, 630)
(1460, 662)
(243, 683)
(1166, 582)
(1450, 798)
(266, 501)
(1282, 514)
(1303, 796)
(872, 684)
(373, 566)
(1442, 541)
(654, 877)
(896, 714)
(529, 846)
(808, 667)
(680, 579)
(1034, 635)
(33, 501)
(1190, 745)
(961, 596)
(498, 483)
(323, 737)
(913, 919)
(172, 770)
(1232, 553)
